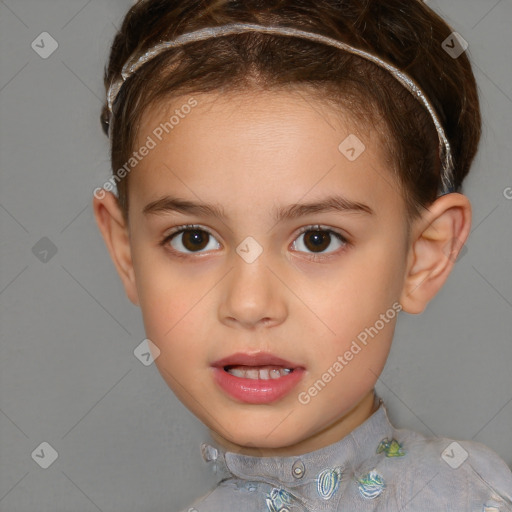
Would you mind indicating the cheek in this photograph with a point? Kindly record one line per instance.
(357, 304)
(176, 314)
(359, 289)
(165, 298)
(375, 274)
(170, 317)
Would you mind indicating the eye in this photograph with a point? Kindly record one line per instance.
(190, 239)
(317, 239)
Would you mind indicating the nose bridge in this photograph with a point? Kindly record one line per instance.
(252, 291)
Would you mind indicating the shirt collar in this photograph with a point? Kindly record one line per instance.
(356, 451)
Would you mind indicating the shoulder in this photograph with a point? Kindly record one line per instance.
(490, 468)
(456, 475)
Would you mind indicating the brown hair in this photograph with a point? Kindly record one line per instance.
(406, 33)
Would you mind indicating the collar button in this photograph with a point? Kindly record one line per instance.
(298, 469)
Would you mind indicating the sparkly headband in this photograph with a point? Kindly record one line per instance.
(135, 62)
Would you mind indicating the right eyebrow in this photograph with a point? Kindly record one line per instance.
(174, 204)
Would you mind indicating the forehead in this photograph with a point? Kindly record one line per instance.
(257, 145)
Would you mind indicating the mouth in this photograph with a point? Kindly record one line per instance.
(256, 378)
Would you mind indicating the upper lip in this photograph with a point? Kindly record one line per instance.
(257, 359)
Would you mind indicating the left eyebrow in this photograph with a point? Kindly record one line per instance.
(334, 203)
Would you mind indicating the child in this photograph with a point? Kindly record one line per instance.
(288, 178)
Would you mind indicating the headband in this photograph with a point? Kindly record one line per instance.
(136, 61)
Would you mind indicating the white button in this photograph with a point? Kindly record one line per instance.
(298, 469)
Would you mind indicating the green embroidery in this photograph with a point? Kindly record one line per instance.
(391, 448)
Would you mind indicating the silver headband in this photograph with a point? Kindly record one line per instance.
(135, 62)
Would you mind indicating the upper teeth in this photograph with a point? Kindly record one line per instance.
(259, 373)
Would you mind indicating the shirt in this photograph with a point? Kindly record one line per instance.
(376, 467)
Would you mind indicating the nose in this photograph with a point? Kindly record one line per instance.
(252, 295)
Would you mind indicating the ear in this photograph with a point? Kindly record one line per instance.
(114, 230)
(435, 242)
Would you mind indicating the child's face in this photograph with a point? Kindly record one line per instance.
(205, 301)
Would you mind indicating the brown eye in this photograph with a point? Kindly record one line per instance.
(318, 240)
(191, 240)
(195, 240)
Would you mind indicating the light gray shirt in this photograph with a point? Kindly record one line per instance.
(374, 468)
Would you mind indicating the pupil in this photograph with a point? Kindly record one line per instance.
(194, 240)
(318, 239)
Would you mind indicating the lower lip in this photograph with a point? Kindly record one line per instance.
(257, 391)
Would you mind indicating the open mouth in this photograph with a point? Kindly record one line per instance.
(258, 372)
(260, 378)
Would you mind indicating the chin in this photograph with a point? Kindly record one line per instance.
(264, 434)
(260, 441)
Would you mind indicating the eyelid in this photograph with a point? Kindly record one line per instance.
(320, 227)
(184, 227)
(302, 230)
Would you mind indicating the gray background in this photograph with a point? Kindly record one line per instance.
(68, 374)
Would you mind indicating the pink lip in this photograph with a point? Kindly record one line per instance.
(258, 359)
(256, 391)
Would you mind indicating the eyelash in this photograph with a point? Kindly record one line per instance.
(312, 256)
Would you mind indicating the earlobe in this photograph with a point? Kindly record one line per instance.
(114, 230)
(436, 241)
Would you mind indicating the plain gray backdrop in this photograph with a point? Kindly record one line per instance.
(68, 373)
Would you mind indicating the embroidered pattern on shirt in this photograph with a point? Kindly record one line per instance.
(328, 482)
(246, 486)
(371, 485)
(277, 500)
(392, 448)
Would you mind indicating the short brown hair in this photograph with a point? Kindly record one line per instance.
(406, 33)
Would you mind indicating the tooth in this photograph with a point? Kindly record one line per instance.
(263, 374)
(252, 374)
(236, 372)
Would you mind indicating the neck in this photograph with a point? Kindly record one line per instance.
(331, 434)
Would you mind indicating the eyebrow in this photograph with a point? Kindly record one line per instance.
(334, 203)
